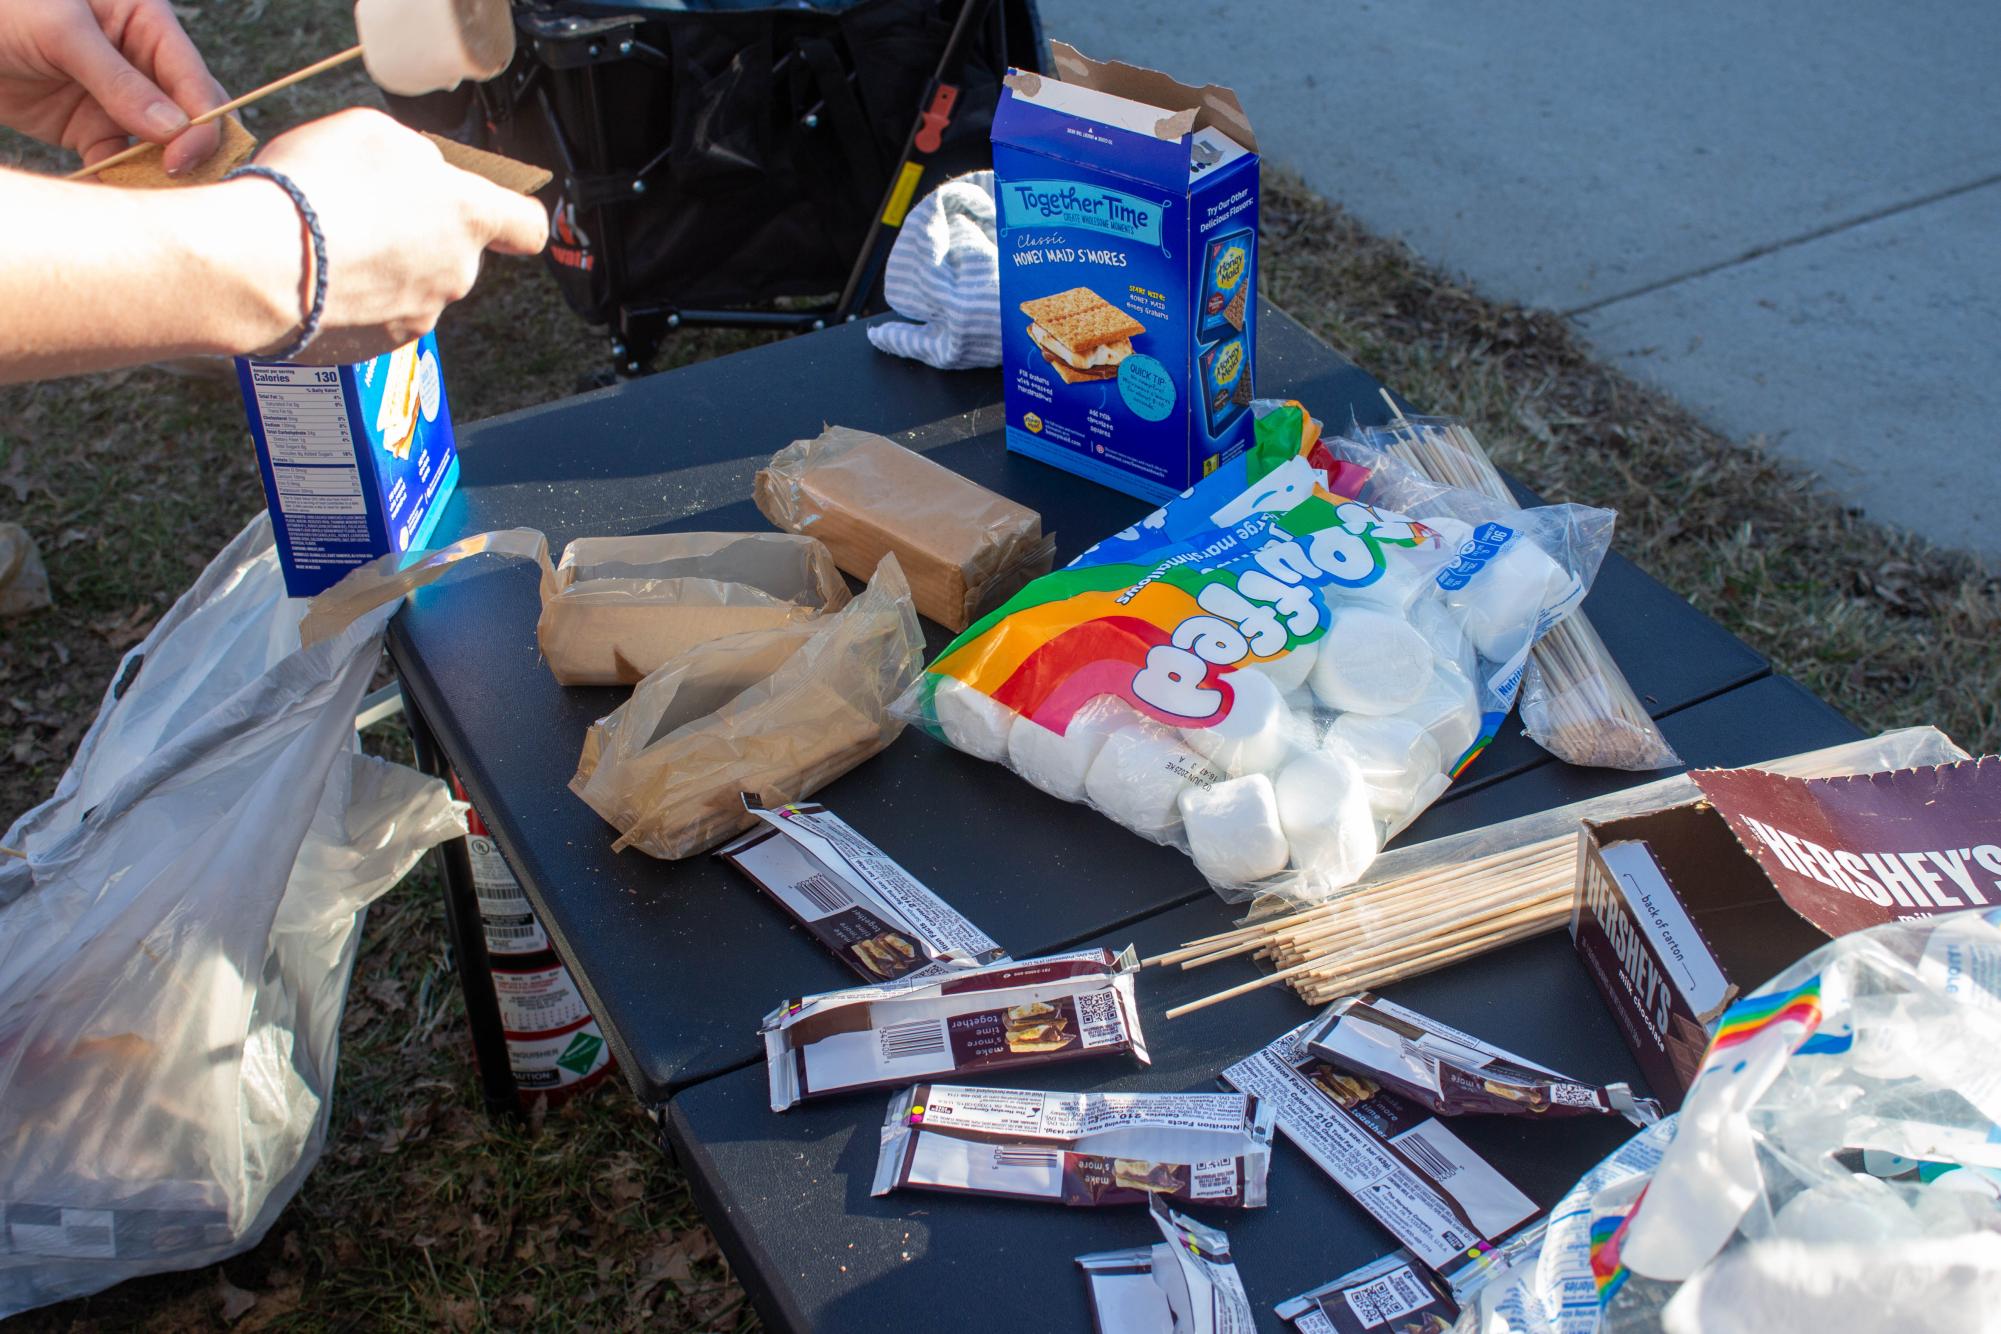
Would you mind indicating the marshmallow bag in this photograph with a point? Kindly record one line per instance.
(1835, 1165)
(1276, 671)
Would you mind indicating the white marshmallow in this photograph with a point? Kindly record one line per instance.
(1450, 711)
(1289, 672)
(1452, 534)
(1858, 1210)
(1256, 734)
(1139, 775)
(1370, 662)
(1325, 810)
(972, 720)
(1395, 757)
(1233, 830)
(1441, 629)
(1500, 604)
(1405, 573)
(1057, 762)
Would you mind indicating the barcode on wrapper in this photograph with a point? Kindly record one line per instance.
(825, 893)
(1395, 1294)
(908, 1042)
(1435, 1164)
(1098, 1019)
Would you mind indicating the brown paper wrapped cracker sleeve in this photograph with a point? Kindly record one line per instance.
(623, 607)
(778, 713)
(963, 548)
(617, 608)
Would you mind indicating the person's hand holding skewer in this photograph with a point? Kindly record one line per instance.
(88, 74)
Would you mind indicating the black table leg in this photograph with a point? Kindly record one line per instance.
(468, 941)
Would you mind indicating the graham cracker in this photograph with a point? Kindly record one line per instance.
(1091, 329)
(523, 178)
(1048, 309)
(144, 171)
(1234, 312)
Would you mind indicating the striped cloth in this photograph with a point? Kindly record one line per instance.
(944, 273)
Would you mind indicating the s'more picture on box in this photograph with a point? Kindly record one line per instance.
(1082, 335)
(1127, 205)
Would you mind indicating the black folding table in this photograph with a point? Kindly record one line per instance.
(679, 960)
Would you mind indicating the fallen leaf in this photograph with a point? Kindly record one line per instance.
(233, 1300)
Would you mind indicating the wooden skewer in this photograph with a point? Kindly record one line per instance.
(1267, 980)
(296, 76)
(13, 852)
(1348, 986)
(1499, 918)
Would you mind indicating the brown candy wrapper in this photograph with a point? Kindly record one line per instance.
(1077, 1148)
(1454, 1073)
(1025, 1012)
(963, 548)
(777, 713)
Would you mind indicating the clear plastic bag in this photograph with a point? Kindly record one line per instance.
(175, 948)
(617, 608)
(1576, 703)
(777, 713)
(1834, 1167)
(1271, 674)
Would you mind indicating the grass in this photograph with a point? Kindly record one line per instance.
(424, 1215)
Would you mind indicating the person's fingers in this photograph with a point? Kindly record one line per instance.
(92, 133)
(131, 99)
(512, 224)
(162, 48)
(191, 148)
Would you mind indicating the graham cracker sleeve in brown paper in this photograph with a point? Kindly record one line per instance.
(778, 713)
(619, 608)
(964, 548)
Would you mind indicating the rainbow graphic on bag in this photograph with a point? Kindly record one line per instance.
(1755, 1015)
(1241, 569)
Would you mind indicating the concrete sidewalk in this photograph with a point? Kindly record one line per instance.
(1787, 214)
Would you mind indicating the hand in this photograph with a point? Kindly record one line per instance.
(404, 231)
(87, 73)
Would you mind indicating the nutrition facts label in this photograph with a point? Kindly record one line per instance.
(311, 447)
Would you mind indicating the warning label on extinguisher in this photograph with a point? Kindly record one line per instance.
(559, 1061)
(504, 910)
(538, 1000)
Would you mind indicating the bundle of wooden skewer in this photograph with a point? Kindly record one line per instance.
(1593, 716)
(1401, 927)
(1444, 910)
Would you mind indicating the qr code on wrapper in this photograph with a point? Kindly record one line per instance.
(1098, 1019)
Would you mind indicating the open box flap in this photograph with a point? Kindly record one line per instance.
(1215, 106)
(1853, 852)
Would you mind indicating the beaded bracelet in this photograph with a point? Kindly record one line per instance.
(311, 328)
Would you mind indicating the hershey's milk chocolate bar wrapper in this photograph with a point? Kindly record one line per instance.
(875, 916)
(1455, 1073)
(1002, 1015)
(1184, 1284)
(1395, 1293)
(1450, 1206)
(1079, 1148)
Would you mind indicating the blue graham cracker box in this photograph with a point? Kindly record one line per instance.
(358, 460)
(1128, 217)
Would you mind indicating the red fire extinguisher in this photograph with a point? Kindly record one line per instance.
(554, 1047)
